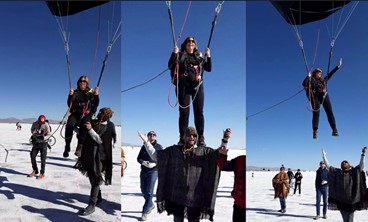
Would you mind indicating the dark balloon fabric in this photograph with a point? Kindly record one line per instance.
(65, 8)
(302, 12)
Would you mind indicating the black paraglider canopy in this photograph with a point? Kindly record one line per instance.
(64, 8)
(301, 12)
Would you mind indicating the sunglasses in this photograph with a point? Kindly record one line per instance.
(194, 135)
(151, 134)
(83, 80)
(191, 40)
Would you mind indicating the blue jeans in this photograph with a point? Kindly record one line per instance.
(321, 191)
(282, 202)
(148, 180)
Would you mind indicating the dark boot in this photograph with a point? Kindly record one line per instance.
(335, 132)
(315, 134)
(78, 150)
(66, 151)
(89, 209)
(181, 141)
(200, 141)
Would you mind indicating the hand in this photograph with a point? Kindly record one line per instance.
(176, 49)
(223, 150)
(88, 125)
(364, 150)
(340, 63)
(207, 52)
(227, 134)
(71, 92)
(148, 164)
(96, 91)
(309, 74)
(143, 137)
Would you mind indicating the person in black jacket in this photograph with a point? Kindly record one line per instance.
(83, 103)
(96, 158)
(321, 185)
(316, 89)
(298, 181)
(187, 68)
(148, 175)
(40, 133)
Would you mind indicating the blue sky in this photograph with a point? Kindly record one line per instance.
(275, 70)
(33, 60)
(147, 45)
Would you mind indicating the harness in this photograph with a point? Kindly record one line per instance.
(192, 69)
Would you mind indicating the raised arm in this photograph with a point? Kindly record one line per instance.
(362, 159)
(330, 74)
(325, 158)
(149, 148)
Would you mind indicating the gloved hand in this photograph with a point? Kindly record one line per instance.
(148, 164)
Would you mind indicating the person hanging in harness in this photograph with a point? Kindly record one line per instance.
(83, 103)
(316, 88)
(187, 75)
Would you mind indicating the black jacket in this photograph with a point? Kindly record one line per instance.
(83, 100)
(144, 156)
(318, 85)
(190, 65)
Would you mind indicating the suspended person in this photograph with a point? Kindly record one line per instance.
(321, 185)
(347, 187)
(316, 87)
(83, 103)
(148, 175)
(40, 132)
(280, 183)
(96, 159)
(186, 76)
(236, 165)
(197, 165)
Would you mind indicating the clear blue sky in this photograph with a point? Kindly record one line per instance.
(34, 77)
(147, 45)
(275, 70)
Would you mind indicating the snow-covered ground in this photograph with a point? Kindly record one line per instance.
(132, 201)
(261, 205)
(62, 194)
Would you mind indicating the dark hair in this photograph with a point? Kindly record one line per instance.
(315, 71)
(184, 44)
(80, 79)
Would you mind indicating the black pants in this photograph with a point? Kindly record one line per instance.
(72, 123)
(238, 214)
(296, 186)
(316, 105)
(186, 95)
(42, 148)
(95, 193)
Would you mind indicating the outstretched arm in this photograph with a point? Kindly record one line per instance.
(329, 75)
(149, 148)
(325, 158)
(362, 159)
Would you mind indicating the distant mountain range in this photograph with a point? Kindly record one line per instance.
(27, 120)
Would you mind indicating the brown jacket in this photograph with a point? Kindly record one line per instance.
(280, 184)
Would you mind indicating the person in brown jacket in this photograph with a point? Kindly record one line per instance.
(280, 184)
(122, 161)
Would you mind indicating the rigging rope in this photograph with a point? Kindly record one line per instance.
(273, 106)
